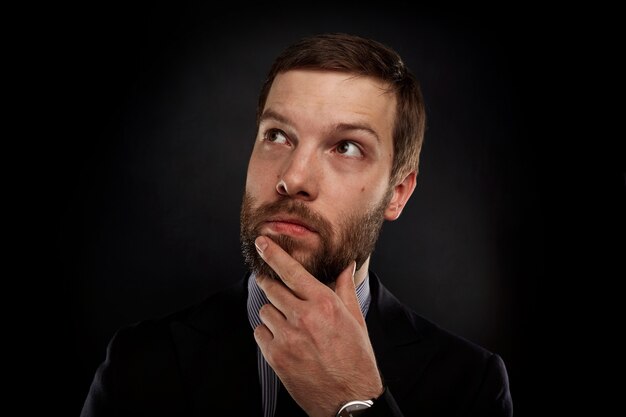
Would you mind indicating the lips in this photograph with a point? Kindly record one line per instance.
(291, 220)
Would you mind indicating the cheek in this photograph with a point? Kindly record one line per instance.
(361, 190)
(350, 199)
(261, 178)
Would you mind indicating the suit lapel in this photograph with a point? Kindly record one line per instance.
(394, 338)
(218, 357)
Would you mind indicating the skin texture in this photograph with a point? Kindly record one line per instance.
(325, 142)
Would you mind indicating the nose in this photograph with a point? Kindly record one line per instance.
(299, 178)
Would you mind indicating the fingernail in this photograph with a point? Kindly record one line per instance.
(261, 244)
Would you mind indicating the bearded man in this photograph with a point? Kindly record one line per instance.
(311, 330)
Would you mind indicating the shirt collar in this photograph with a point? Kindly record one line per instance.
(257, 298)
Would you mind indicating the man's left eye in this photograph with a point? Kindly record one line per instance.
(348, 148)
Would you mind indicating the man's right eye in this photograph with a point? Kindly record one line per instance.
(276, 136)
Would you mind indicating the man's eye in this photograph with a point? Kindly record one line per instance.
(276, 136)
(349, 149)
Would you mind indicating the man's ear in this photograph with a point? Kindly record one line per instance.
(401, 193)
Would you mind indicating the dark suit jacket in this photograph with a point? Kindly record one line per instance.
(202, 361)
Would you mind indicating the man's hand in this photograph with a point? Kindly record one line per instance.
(315, 338)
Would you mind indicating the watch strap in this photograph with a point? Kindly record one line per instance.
(384, 406)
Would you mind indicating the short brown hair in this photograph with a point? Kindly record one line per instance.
(353, 54)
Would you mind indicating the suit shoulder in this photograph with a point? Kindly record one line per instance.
(459, 375)
(216, 303)
(447, 341)
(433, 371)
(152, 337)
(408, 325)
(400, 325)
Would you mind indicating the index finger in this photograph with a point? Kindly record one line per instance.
(293, 274)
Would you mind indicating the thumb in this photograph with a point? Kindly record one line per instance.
(346, 291)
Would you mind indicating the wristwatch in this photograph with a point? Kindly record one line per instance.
(354, 408)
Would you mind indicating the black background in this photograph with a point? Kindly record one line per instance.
(152, 109)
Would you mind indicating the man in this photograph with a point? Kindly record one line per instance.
(311, 331)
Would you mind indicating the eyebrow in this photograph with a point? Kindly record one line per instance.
(270, 114)
(342, 127)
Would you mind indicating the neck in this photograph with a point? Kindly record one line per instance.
(359, 275)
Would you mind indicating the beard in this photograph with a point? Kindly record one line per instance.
(353, 239)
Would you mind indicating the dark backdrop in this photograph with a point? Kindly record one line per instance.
(157, 105)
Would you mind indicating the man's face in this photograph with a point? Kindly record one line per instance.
(318, 177)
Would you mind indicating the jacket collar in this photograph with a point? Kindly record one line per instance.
(400, 344)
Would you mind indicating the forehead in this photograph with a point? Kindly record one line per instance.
(320, 98)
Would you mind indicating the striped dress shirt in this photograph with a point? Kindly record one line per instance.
(270, 383)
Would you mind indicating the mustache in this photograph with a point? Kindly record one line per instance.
(295, 208)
